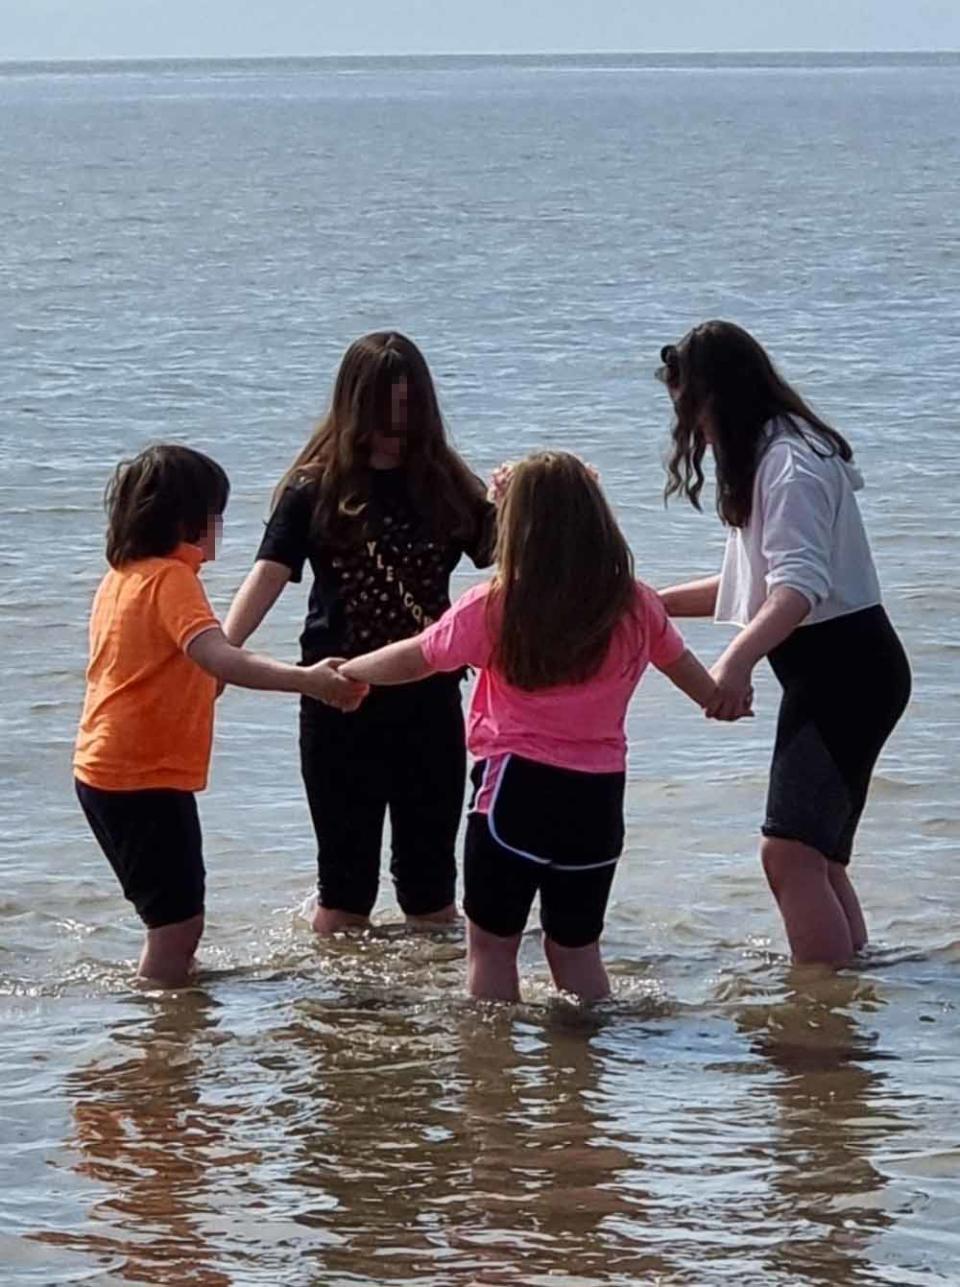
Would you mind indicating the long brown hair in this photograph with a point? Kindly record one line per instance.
(564, 576)
(719, 369)
(337, 455)
(166, 495)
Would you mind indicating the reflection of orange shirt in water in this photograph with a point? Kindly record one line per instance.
(148, 714)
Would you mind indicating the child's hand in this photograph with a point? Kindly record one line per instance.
(499, 480)
(733, 698)
(324, 684)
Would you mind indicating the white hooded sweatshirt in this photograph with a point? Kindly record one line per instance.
(805, 531)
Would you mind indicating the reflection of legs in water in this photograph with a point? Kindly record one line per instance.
(817, 924)
(153, 1139)
(847, 897)
(836, 1113)
(168, 952)
(579, 970)
(492, 965)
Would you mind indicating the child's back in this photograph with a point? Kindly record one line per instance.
(578, 725)
(561, 638)
(148, 713)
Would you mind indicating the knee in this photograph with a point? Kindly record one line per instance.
(775, 862)
(560, 952)
(492, 946)
(788, 862)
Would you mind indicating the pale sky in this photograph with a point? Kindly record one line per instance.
(252, 28)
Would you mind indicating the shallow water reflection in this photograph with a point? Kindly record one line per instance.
(834, 1113)
(273, 1132)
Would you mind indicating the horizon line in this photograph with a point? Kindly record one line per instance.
(487, 54)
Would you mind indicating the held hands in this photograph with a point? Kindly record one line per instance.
(733, 697)
(324, 684)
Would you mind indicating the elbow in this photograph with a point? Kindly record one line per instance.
(811, 583)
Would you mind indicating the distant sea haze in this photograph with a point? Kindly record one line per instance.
(597, 61)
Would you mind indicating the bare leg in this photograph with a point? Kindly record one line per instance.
(492, 965)
(847, 897)
(168, 952)
(817, 926)
(434, 920)
(578, 970)
(330, 920)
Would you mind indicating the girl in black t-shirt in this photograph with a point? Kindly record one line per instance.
(382, 508)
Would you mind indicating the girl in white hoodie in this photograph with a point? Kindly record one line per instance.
(798, 578)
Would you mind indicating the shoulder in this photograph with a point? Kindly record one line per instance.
(150, 584)
(143, 572)
(301, 487)
(474, 600)
(462, 636)
(468, 614)
(296, 499)
(647, 614)
(177, 578)
(647, 600)
(789, 456)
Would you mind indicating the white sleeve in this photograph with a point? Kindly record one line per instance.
(798, 512)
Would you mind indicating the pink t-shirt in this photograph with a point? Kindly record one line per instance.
(572, 726)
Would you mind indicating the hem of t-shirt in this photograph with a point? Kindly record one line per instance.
(102, 781)
(679, 652)
(295, 568)
(195, 631)
(816, 616)
(785, 583)
(480, 751)
(424, 643)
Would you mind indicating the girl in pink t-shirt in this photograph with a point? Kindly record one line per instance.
(561, 637)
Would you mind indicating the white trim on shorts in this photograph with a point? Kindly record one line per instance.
(523, 853)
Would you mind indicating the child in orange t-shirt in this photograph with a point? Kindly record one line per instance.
(156, 655)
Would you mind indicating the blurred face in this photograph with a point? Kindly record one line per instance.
(210, 538)
(389, 443)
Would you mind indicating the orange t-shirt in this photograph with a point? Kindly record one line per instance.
(148, 713)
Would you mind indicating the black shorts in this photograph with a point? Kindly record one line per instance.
(846, 682)
(153, 843)
(548, 830)
(402, 751)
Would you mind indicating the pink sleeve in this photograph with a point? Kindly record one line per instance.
(460, 638)
(665, 641)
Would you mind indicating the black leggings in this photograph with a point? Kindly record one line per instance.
(403, 750)
(846, 682)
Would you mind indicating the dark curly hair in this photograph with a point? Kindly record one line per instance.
(720, 370)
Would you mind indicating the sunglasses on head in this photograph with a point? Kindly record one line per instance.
(669, 372)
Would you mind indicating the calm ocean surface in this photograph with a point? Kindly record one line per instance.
(185, 251)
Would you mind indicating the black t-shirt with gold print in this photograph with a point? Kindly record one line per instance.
(387, 586)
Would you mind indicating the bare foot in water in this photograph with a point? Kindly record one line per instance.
(330, 920)
(442, 919)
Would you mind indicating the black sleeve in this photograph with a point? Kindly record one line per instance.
(481, 544)
(287, 538)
